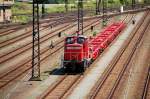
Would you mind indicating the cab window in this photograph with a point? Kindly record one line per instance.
(70, 40)
(80, 40)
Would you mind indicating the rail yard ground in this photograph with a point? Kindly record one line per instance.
(120, 72)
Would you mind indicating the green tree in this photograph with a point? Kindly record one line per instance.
(122, 2)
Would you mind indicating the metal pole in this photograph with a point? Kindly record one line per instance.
(96, 7)
(43, 9)
(66, 5)
(80, 16)
(3, 12)
(104, 12)
(36, 43)
(99, 2)
(133, 4)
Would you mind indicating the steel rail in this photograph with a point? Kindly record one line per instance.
(28, 67)
(56, 87)
(29, 33)
(108, 71)
(22, 49)
(126, 64)
(146, 86)
(56, 20)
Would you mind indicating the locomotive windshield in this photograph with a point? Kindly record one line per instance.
(80, 40)
(70, 40)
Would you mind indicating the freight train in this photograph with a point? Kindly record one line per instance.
(80, 51)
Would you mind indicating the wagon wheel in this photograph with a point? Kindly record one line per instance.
(101, 50)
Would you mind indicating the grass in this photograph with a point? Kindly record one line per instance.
(21, 8)
(55, 8)
(21, 19)
(25, 8)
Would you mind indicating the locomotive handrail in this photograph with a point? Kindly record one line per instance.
(76, 55)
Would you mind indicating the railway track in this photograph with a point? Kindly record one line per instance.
(62, 88)
(24, 48)
(62, 93)
(25, 66)
(50, 22)
(52, 19)
(59, 90)
(10, 53)
(146, 86)
(9, 30)
(113, 75)
(72, 16)
(28, 45)
(57, 20)
(11, 41)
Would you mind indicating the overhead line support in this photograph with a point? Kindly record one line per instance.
(36, 43)
(105, 18)
(80, 16)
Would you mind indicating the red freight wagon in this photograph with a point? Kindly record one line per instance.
(79, 51)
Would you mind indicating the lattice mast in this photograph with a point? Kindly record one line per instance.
(36, 43)
(66, 5)
(105, 18)
(80, 16)
(133, 4)
(96, 7)
(43, 9)
(98, 3)
(4, 13)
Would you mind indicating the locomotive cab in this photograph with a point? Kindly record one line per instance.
(76, 53)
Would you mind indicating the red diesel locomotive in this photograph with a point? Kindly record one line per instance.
(80, 51)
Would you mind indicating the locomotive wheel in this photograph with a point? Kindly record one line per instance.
(67, 69)
(73, 69)
(82, 69)
(79, 68)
